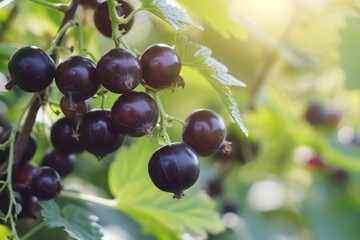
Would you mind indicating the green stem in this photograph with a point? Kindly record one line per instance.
(14, 235)
(109, 203)
(164, 118)
(81, 37)
(58, 6)
(9, 169)
(34, 230)
(130, 16)
(60, 34)
(116, 34)
(116, 21)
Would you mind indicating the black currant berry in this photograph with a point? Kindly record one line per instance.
(204, 132)
(102, 18)
(119, 70)
(98, 134)
(64, 136)
(316, 114)
(76, 78)
(31, 69)
(161, 66)
(135, 114)
(29, 150)
(214, 187)
(174, 168)
(29, 207)
(63, 163)
(45, 183)
(75, 109)
(24, 173)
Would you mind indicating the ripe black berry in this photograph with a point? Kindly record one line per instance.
(45, 183)
(319, 114)
(161, 66)
(76, 77)
(98, 134)
(29, 150)
(135, 114)
(63, 163)
(102, 18)
(119, 70)
(204, 132)
(64, 136)
(24, 173)
(23, 196)
(31, 69)
(315, 113)
(73, 110)
(174, 168)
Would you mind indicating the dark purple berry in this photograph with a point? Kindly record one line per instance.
(64, 136)
(174, 168)
(135, 114)
(31, 69)
(204, 132)
(214, 187)
(46, 183)
(315, 114)
(63, 163)
(119, 70)
(231, 206)
(319, 114)
(28, 204)
(161, 66)
(29, 150)
(24, 173)
(75, 109)
(76, 78)
(98, 134)
(102, 17)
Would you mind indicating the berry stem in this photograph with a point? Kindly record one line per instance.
(60, 34)
(14, 157)
(116, 34)
(58, 6)
(116, 21)
(80, 36)
(130, 16)
(20, 142)
(164, 123)
(109, 203)
(34, 230)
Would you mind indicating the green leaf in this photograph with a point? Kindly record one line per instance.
(77, 222)
(217, 15)
(4, 231)
(156, 211)
(349, 50)
(173, 14)
(199, 58)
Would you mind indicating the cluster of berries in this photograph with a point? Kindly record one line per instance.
(172, 168)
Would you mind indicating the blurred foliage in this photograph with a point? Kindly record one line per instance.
(289, 53)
